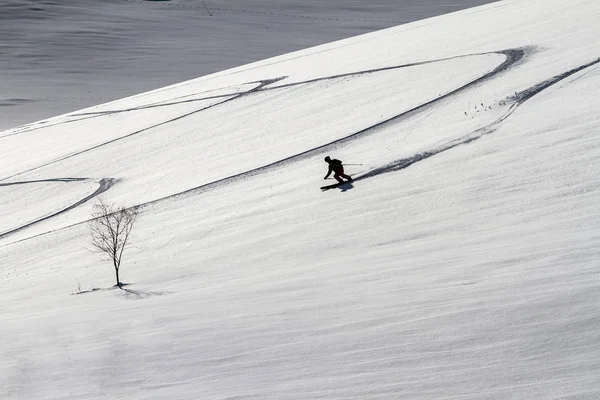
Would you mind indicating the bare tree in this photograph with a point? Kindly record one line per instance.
(110, 229)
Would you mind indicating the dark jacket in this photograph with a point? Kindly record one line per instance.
(334, 166)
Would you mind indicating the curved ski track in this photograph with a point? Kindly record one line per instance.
(513, 57)
(104, 185)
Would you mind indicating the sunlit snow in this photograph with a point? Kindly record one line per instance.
(461, 263)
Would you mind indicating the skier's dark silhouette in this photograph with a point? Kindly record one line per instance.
(337, 168)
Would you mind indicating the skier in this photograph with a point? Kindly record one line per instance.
(337, 167)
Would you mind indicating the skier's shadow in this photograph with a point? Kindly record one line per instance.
(344, 187)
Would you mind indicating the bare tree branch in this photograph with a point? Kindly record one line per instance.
(110, 229)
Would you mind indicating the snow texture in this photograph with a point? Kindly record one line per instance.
(462, 262)
(60, 56)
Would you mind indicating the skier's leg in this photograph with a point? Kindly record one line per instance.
(340, 174)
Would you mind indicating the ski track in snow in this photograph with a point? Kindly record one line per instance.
(104, 185)
(513, 57)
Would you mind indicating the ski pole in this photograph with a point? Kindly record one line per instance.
(352, 164)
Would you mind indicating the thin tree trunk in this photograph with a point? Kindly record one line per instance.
(117, 274)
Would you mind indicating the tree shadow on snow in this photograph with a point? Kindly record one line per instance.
(124, 292)
(138, 294)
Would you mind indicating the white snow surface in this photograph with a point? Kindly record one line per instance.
(60, 56)
(462, 263)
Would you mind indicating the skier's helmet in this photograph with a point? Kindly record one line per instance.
(327, 159)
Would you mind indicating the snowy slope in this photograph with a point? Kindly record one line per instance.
(462, 263)
(57, 56)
